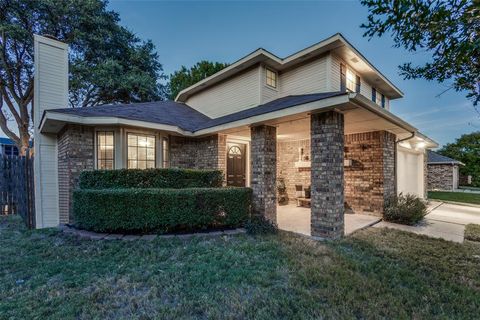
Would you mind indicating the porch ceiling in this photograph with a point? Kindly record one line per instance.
(357, 120)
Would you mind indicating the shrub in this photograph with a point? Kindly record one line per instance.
(405, 209)
(472, 232)
(150, 178)
(260, 225)
(160, 210)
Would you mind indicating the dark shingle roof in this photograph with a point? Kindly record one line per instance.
(184, 116)
(162, 112)
(275, 105)
(436, 158)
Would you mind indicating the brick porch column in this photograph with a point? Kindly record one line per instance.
(264, 171)
(327, 148)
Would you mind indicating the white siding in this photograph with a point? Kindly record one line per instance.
(335, 73)
(238, 93)
(310, 77)
(51, 92)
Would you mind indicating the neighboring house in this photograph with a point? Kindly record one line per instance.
(443, 172)
(8, 147)
(318, 117)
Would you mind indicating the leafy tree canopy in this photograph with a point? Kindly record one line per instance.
(108, 63)
(449, 29)
(467, 150)
(184, 77)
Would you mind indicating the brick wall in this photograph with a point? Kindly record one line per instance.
(287, 155)
(370, 180)
(440, 177)
(263, 170)
(75, 154)
(200, 153)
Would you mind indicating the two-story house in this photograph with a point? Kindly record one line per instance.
(320, 117)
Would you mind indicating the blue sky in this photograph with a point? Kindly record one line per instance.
(185, 32)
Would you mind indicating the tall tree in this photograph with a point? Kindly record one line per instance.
(449, 29)
(184, 77)
(108, 63)
(467, 150)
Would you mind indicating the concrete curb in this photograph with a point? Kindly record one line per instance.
(84, 234)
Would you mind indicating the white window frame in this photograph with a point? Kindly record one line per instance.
(155, 146)
(267, 78)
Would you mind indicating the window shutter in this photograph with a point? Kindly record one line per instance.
(383, 101)
(343, 78)
(374, 95)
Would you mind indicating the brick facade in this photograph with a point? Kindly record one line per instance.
(440, 176)
(287, 155)
(75, 154)
(327, 145)
(263, 171)
(200, 153)
(370, 180)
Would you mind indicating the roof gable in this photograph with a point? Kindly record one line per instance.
(336, 42)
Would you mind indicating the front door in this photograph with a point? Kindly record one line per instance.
(236, 165)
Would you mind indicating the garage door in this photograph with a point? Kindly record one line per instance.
(410, 168)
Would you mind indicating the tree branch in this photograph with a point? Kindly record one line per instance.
(4, 124)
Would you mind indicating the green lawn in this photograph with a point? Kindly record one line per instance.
(375, 274)
(455, 196)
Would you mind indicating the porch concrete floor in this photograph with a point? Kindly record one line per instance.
(297, 219)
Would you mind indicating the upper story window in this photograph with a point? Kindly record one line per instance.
(351, 85)
(271, 78)
(140, 151)
(374, 95)
(349, 80)
(105, 150)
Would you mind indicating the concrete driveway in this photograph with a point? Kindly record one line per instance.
(454, 213)
(445, 220)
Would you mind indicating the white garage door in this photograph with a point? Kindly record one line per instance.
(410, 168)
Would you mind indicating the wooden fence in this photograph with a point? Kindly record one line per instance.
(17, 187)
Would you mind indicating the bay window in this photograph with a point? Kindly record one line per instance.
(105, 150)
(140, 151)
(165, 153)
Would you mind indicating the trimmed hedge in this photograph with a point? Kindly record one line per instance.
(160, 210)
(150, 178)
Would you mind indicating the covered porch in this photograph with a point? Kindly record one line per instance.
(336, 166)
(298, 220)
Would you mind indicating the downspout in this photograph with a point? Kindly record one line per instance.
(395, 157)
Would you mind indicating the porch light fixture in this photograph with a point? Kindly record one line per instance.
(421, 145)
